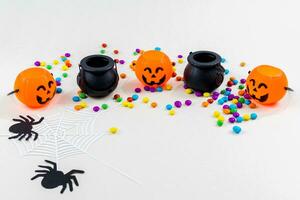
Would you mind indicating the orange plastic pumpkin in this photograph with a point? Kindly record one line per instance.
(35, 87)
(153, 68)
(266, 84)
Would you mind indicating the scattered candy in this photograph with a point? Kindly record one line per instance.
(122, 62)
(58, 90)
(113, 130)
(76, 98)
(96, 108)
(55, 62)
(188, 102)
(37, 63)
(137, 90)
(122, 75)
(116, 51)
(104, 106)
(177, 104)
(169, 106)
(242, 64)
(104, 45)
(172, 112)
(153, 104)
(236, 129)
(67, 55)
(145, 100)
(253, 116)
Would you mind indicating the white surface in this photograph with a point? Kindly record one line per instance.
(180, 157)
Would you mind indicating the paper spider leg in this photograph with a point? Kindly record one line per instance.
(46, 167)
(42, 171)
(29, 136)
(75, 180)
(70, 185)
(35, 135)
(75, 171)
(31, 119)
(52, 163)
(18, 120)
(16, 136)
(37, 176)
(63, 188)
(38, 122)
(24, 118)
(23, 135)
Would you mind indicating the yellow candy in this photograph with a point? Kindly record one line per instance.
(235, 101)
(64, 68)
(168, 87)
(130, 105)
(174, 69)
(43, 63)
(221, 118)
(242, 64)
(188, 91)
(216, 114)
(172, 112)
(246, 117)
(55, 62)
(83, 104)
(180, 61)
(206, 94)
(145, 100)
(125, 103)
(113, 130)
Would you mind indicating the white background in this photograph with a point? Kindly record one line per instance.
(180, 157)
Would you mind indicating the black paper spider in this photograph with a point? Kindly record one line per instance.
(53, 178)
(24, 127)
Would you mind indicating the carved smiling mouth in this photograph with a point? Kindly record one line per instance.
(40, 99)
(261, 99)
(152, 82)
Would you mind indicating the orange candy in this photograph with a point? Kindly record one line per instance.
(205, 103)
(36, 87)
(153, 68)
(267, 84)
(153, 104)
(123, 75)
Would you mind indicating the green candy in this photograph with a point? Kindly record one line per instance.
(49, 67)
(119, 99)
(65, 75)
(104, 106)
(82, 95)
(102, 51)
(220, 123)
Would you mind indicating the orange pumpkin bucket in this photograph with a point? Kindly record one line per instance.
(35, 87)
(153, 68)
(267, 84)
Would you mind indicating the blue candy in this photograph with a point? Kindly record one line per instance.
(169, 106)
(236, 129)
(253, 116)
(239, 119)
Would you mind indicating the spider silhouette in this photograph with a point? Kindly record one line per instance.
(53, 178)
(24, 127)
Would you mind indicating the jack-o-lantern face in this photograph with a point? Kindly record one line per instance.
(35, 87)
(153, 68)
(266, 84)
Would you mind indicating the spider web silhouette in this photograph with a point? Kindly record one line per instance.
(64, 134)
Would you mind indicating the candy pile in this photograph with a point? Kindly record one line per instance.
(66, 64)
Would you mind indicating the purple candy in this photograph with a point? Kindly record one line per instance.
(37, 63)
(230, 97)
(239, 105)
(137, 90)
(215, 93)
(96, 108)
(137, 50)
(225, 106)
(198, 94)
(147, 88)
(58, 83)
(236, 97)
(122, 62)
(215, 97)
(177, 104)
(231, 119)
(236, 114)
(185, 86)
(247, 96)
(179, 56)
(228, 89)
(152, 89)
(243, 81)
(67, 54)
(188, 102)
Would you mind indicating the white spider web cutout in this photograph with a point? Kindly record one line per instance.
(67, 133)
